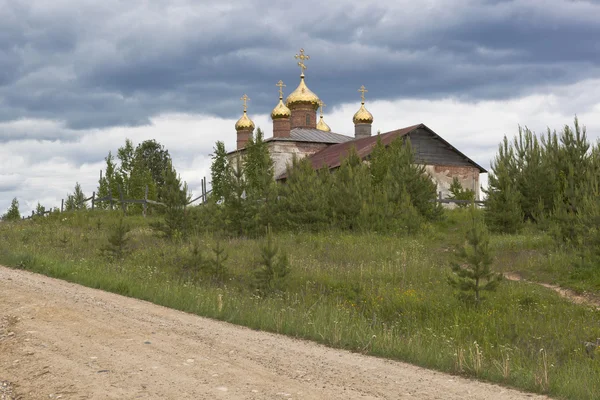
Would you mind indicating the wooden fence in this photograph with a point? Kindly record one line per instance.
(123, 201)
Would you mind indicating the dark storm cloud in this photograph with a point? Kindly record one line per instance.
(119, 63)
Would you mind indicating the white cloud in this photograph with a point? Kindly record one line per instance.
(42, 170)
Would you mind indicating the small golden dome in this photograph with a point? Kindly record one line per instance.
(363, 116)
(322, 126)
(244, 123)
(280, 111)
(302, 95)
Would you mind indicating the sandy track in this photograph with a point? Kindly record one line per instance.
(72, 342)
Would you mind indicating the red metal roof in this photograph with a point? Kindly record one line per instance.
(333, 156)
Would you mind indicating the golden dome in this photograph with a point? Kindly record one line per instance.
(280, 111)
(363, 116)
(302, 95)
(322, 126)
(244, 123)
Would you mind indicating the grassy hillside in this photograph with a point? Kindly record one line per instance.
(378, 294)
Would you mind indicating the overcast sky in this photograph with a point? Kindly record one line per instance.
(78, 78)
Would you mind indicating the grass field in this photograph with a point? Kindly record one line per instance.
(378, 294)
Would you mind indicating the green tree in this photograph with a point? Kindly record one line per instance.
(236, 212)
(118, 242)
(304, 201)
(471, 269)
(40, 209)
(126, 158)
(458, 193)
(13, 213)
(76, 200)
(110, 181)
(152, 156)
(219, 172)
(273, 267)
(174, 194)
(503, 204)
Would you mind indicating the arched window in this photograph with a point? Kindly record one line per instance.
(307, 119)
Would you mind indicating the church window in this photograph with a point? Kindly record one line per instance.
(307, 119)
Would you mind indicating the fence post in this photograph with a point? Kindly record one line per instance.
(93, 199)
(204, 190)
(145, 201)
(122, 202)
(440, 195)
(62, 205)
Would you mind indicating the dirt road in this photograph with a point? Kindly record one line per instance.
(63, 341)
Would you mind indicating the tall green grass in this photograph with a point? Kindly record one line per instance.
(382, 295)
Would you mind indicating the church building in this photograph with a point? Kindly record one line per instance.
(296, 131)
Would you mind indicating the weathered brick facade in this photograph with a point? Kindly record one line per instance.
(303, 116)
(443, 175)
(281, 128)
(242, 138)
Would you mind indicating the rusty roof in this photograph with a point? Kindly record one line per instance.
(333, 156)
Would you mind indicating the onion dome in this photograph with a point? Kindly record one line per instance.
(244, 123)
(362, 116)
(322, 126)
(280, 110)
(302, 95)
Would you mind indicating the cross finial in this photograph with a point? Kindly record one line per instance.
(302, 57)
(245, 99)
(281, 86)
(363, 91)
(322, 105)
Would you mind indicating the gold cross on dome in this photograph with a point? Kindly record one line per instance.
(245, 99)
(322, 105)
(281, 86)
(302, 57)
(363, 91)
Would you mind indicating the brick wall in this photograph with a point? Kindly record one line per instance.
(443, 175)
(299, 119)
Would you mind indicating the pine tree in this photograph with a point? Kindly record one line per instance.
(126, 158)
(274, 267)
(109, 183)
(458, 193)
(174, 194)
(40, 209)
(118, 242)
(471, 271)
(237, 213)
(303, 202)
(219, 171)
(13, 213)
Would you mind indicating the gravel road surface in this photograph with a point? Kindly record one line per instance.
(63, 341)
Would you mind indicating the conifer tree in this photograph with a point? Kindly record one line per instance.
(236, 211)
(219, 171)
(273, 267)
(303, 202)
(118, 242)
(109, 183)
(503, 205)
(40, 209)
(174, 194)
(458, 193)
(471, 270)
(13, 213)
